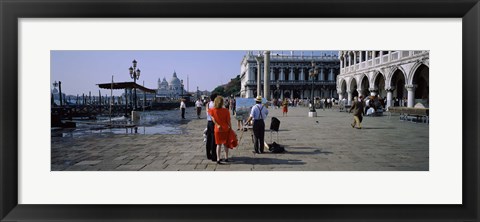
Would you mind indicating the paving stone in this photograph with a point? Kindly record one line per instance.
(89, 162)
(131, 167)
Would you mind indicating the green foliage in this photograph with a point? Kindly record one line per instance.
(220, 90)
(231, 88)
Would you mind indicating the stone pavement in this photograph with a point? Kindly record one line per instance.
(324, 143)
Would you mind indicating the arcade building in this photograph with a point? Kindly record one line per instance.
(402, 75)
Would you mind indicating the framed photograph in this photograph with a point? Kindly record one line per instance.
(106, 110)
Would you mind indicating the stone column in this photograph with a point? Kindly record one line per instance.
(354, 58)
(291, 76)
(250, 94)
(302, 74)
(259, 62)
(361, 56)
(272, 75)
(389, 97)
(251, 76)
(340, 95)
(282, 74)
(390, 56)
(344, 60)
(266, 82)
(373, 55)
(321, 76)
(349, 98)
(411, 95)
(359, 90)
(262, 72)
(330, 75)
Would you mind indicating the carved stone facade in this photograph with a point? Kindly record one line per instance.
(289, 75)
(402, 75)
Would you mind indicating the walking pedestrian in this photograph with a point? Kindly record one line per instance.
(357, 108)
(183, 107)
(198, 105)
(285, 107)
(227, 104)
(210, 145)
(221, 119)
(233, 104)
(258, 113)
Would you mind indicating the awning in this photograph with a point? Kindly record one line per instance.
(125, 85)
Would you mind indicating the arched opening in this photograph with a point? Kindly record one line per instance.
(380, 85)
(353, 88)
(421, 80)
(364, 85)
(343, 88)
(286, 94)
(296, 73)
(306, 74)
(398, 83)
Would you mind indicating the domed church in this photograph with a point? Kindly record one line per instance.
(170, 90)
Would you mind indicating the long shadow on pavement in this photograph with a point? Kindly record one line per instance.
(265, 161)
(378, 127)
(315, 151)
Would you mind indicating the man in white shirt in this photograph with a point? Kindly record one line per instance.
(210, 145)
(198, 104)
(258, 113)
(183, 107)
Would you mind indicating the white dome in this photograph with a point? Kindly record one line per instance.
(175, 81)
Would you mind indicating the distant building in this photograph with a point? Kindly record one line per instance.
(170, 90)
(289, 75)
(402, 75)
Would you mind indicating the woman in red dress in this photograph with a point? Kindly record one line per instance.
(221, 119)
(285, 106)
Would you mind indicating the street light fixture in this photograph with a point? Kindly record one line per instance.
(181, 95)
(59, 84)
(313, 73)
(134, 74)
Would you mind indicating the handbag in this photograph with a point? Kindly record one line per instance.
(232, 140)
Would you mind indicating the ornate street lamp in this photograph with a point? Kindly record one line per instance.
(59, 84)
(313, 73)
(181, 95)
(134, 74)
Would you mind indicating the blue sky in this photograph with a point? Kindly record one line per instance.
(80, 71)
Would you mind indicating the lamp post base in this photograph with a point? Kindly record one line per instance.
(312, 114)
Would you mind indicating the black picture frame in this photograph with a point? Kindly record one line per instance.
(11, 11)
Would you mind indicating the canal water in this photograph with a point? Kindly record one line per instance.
(151, 122)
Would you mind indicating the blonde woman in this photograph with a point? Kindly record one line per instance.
(221, 119)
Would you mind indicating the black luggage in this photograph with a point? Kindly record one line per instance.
(275, 125)
(276, 148)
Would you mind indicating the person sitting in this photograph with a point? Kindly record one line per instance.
(370, 111)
